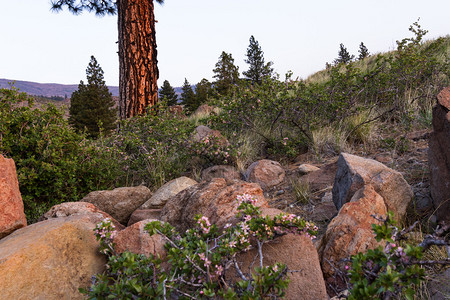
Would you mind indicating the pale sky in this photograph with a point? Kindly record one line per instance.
(39, 45)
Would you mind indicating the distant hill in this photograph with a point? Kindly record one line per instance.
(47, 89)
(56, 89)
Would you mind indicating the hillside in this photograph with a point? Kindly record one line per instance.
(47, 89)
(56, 89)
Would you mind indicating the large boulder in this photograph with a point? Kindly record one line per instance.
(144, 214)
(67, 209)
(50, 259)
(354, 172)
(168, 190)
(266, 173)
(439, 156)
(299, 254)
(136, 239)
(213, 199)
(12, 216)
(120, 202)
(229, 173)
(350, 231)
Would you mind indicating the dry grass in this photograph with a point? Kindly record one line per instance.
(196, 117)
(329, 141)
(248, 148)
(301, 190)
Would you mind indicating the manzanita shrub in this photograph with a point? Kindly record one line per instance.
(197, 262)
(386, 272)
(54, 163)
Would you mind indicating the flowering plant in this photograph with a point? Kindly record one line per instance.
(197, 261)
(386, 271)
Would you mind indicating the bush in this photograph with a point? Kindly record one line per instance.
(386, 272)
(54, 163)
(197, 260)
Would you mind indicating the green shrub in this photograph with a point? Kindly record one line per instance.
(386, 271)
(54, 163)
(197, 260)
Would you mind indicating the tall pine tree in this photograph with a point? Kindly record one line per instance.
(225, 73)
(363, 51)
(202, 93)
(138, 69)
(188, 97)
(92, 104)
(258, 69)
(343, 56)
(168, 94)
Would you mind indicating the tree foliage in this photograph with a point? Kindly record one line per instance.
(202, 92)
(92, 106)
(363, 51)
(188, 96)
(168, 94)
(225, 73)
(344, 56)
(258, 69)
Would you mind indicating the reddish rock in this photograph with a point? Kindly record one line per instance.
(350, 231)
(229, 173)
(120, 202)
(136, 239)
(203, 133)
(12, 216)
(50, 259)
(213, 199)
(298, 253)
(439, 157)
(321, 179)
(323, 212)
(266, 173)
(355, 172)
(144, 214)
(307, 168)
(167, 191)
(77, 209)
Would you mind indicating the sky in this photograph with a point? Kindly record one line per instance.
(39, 45)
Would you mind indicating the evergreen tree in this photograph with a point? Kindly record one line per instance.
(202, 92)
(258, 70)
(92, 103)
(188, 97)
(363, 51)
(137, 44)
(168, 93)
(343, 56)
(226, 74)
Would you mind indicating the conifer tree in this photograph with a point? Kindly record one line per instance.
(167, 93)
(363, 51)
(225, 73)
(92, 104)
(188, 96)
(343, 56)
(258, 69)
(138, 69)
(202, 92)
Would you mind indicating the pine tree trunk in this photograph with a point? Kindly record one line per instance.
(138, 87)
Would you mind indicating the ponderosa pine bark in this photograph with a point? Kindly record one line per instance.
(138, 72)
(137, 57)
